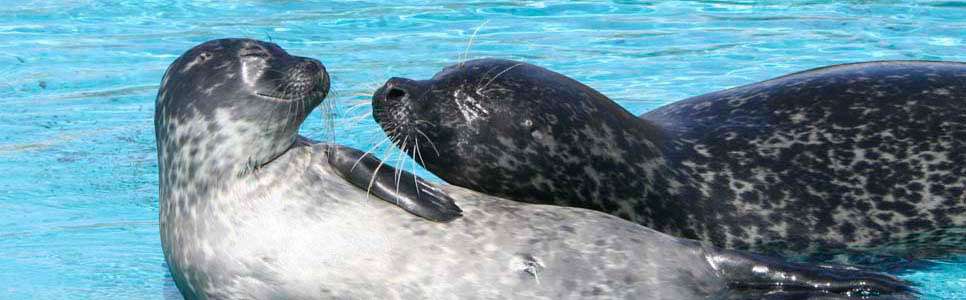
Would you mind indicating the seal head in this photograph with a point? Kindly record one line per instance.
(226, 123)
(471, 122)
(250, 81)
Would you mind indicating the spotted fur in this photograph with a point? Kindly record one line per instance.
(868, 156)
(244, 218)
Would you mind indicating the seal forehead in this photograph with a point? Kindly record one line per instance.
(224, 52)
(477, 68)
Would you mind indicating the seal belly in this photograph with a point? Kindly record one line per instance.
(339, 244)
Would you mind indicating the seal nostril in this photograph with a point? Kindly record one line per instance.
(311, 66)
(395, 94)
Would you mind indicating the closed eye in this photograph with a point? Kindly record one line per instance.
(255, 54)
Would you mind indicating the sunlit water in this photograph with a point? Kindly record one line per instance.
(78, 172)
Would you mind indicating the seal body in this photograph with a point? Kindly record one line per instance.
(250, 210)
(298, 230)
(852, 157)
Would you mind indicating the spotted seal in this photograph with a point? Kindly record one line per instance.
(228, 108)
(856, 157)
(249, 210)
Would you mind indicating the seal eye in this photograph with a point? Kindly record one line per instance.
(255, 55)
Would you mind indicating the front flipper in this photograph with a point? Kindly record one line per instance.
(753, 274)
(412, 193)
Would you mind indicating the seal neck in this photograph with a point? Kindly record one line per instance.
(202, 154)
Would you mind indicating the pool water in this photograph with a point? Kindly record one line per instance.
(78, 78)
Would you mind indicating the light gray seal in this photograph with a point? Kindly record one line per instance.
(841, 159)
(249, 210)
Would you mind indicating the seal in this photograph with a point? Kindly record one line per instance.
(856, 157)
(215, 130)
(249, 210)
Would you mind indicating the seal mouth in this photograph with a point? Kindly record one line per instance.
(313, 90)
(304, 80)
(275, 98)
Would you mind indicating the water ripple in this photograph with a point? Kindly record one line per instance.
(78, 80)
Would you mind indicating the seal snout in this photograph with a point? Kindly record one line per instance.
(394, 100)
(302, 79)
(400, 108)
(398, 89)
(310, 74)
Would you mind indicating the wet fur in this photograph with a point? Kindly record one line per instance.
(845, 158)
(251, 210)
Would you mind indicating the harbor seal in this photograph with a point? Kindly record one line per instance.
(245, 218)
(855, 157)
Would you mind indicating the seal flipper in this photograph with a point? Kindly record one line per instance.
(413, 194)
(756, 274)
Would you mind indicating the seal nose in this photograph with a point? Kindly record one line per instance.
(394, 97)
(399, 89)
(396, 94)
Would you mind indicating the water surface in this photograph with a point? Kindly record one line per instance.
(78, 170)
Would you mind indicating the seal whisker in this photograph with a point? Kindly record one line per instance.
(428, 140)
(355, 107)
(413, 162)
(356, 119)
(353, 100)
(328, 117)
(424, 122)
(482, 78)
(368, 152)
(400, 165)
(418, 153)
(372, 179)
(288, 112)
(497, 76)
(362, 94)
(466, 52)
(361, 101)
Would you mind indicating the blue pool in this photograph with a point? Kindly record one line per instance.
(78, 78)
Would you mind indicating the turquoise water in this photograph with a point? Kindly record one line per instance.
(78, 173)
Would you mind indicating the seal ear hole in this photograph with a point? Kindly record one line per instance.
(204, 56)
(395, 94)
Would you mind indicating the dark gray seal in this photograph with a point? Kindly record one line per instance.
(251, 211)
(867, 156)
